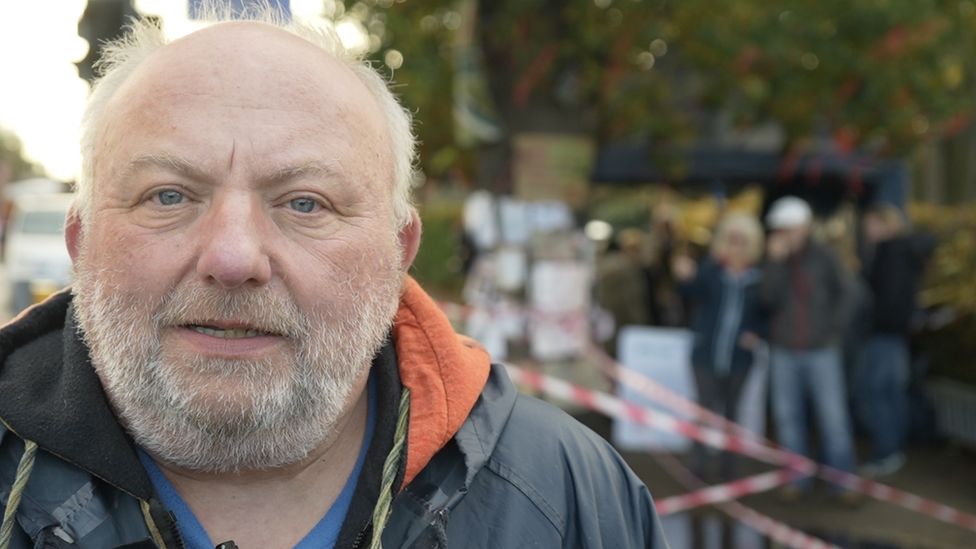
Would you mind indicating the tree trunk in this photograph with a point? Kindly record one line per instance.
(969, 181)
(933, 178)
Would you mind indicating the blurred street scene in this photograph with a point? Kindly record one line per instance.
(767, 209)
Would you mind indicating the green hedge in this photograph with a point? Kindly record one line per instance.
(438, 263)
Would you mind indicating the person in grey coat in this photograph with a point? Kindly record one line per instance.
(807, 293)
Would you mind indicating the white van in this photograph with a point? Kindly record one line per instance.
(37, 258)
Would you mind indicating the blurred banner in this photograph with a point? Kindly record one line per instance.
(240, 8)
(553, 166)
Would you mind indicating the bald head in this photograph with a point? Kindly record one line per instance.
(230, 54)
(244, 96)
(251, 66)
(249, 60)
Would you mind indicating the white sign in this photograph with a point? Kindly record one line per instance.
(663, 355)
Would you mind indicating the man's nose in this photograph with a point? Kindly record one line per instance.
(234, 250)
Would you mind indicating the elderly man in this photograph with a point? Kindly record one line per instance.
(243, 356)
(808, 294)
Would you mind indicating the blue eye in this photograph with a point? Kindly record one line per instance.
(304, 205)
(169, 198)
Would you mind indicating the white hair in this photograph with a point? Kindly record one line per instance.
(744, 225)
(143, 37)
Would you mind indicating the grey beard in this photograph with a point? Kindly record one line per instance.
(281, 419)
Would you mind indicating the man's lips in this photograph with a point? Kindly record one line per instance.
(227, 333)
(228, 340)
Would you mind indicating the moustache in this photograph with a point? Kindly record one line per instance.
(263, 310)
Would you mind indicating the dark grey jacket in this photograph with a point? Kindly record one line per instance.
(808, 297)
(519, 472)
(894, 275)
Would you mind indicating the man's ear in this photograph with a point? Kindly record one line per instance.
(72, 234)
(410, 240)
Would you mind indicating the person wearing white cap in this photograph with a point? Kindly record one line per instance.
(807, 292)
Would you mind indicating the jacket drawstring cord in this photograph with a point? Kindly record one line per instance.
(381, 513)
(13, 502)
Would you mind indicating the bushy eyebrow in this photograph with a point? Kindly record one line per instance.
(180, 166)
(288, 173)
(166, 162)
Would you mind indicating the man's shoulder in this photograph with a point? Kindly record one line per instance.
(549, 473)
(64, 502)
(549, 428)
(559, 457)
(526, 426)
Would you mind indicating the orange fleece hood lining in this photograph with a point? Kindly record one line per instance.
(444, 371)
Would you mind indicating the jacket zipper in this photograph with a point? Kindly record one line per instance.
(154, 528)
(362, 535)
(177, 535)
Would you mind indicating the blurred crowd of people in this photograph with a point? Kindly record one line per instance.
(774, 286)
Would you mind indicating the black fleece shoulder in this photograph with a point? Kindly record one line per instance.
(49, 393)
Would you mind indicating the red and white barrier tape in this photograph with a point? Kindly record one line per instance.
(616, 408)
(570, 320)
(454, 311)
(658, 393)
(775, 530)
(619, 409)
(722, 493)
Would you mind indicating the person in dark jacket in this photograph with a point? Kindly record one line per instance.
(725, 317)
(243, 360)
(621, 287)
(808, 295)
(727, 321)
(893, 271)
